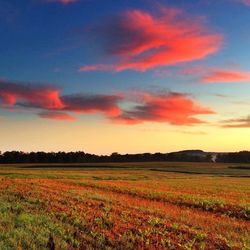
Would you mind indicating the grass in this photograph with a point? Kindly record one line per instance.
(125, 206)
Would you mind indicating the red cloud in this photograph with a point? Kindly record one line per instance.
(46, 98)
(173, 108)
(97, 67)
(141, 41)
(57, 116)
(40, 97)
(107, 104)
(226, 76)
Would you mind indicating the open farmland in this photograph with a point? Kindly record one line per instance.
(125, 206)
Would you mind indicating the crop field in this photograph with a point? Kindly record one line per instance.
(125, 206)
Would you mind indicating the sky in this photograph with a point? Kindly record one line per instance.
(105, 76)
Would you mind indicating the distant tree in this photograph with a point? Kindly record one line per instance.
(82, 157)
(239, 157)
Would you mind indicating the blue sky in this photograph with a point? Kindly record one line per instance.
(87, 60)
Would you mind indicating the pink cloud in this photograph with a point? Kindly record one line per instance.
(97, 67)
(40, 97)
(138, 40)
(225, 76)
(207, 74)
(172, 108)
(13, 95)
(57, 116)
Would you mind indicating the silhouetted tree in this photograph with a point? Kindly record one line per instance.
(82, 157)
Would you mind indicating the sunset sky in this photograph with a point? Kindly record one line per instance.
(132, 76)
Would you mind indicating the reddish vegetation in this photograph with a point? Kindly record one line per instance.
(171, 213)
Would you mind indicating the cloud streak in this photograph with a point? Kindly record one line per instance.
(172, 108)
(237, 123)
(43, 97)
(225, 76)
(138, 40)
(53, 115)
(82, 103)
(217, 75)
(48, 99)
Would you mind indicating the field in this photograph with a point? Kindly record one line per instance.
(125, 206)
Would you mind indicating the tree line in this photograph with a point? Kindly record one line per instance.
(82, 157)
(237, 157)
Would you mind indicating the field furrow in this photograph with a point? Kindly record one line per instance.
(93, 209)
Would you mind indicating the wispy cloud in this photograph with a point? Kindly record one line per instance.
(84, 103)
(47, 98)
(139, 40)
(225, 76)
(207, 74)
(44, 97)
(56, 116)
(97, 67)
(237, 123)
(172, 108)
(187, 132)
